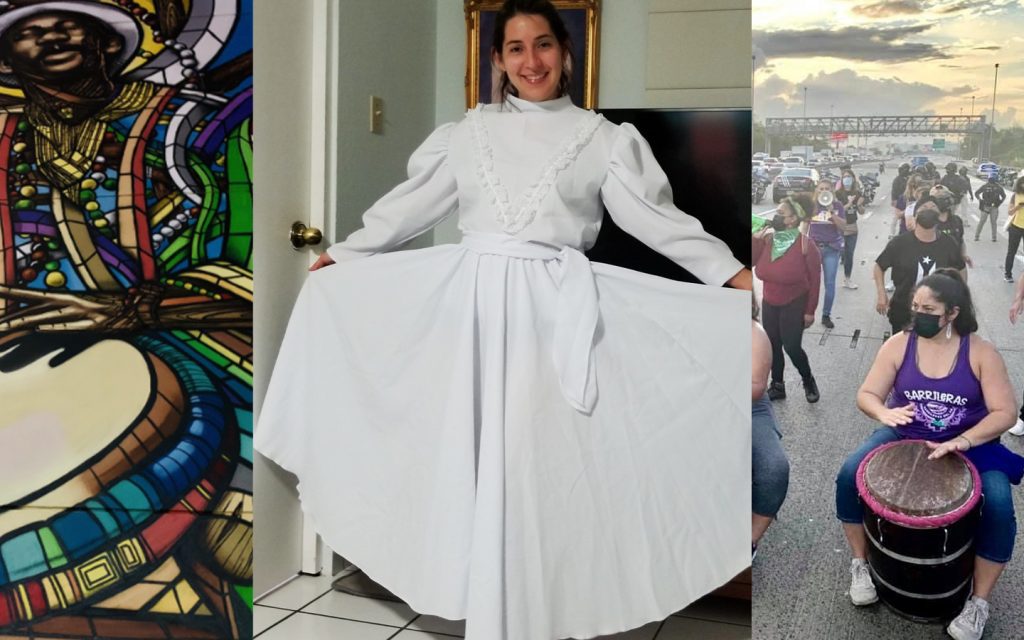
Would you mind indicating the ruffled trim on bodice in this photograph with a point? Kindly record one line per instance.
(516, 216)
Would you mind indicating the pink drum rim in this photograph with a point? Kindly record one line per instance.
(919, 522)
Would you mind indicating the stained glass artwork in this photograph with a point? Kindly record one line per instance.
(126, 320)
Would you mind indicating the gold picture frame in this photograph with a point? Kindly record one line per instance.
(582, 18)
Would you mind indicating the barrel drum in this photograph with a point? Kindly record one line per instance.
(920, 520)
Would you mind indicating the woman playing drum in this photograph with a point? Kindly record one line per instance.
(948, 386)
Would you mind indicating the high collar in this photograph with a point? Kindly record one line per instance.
(558, 104)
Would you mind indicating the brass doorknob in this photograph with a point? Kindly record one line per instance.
(301, 235)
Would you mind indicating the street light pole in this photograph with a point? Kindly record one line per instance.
(805, 102)
(992, 124)
(972, 119)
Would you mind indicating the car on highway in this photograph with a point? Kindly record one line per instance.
(793, 180)
(793, 161)
(774, 166)
(987, 169)
(918, 161)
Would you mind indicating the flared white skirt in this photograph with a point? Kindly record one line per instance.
(416, 398)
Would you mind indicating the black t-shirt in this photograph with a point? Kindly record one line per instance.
(851, 210)
(952, 227)
(965, 186)
(910, 260)
(954, 183)
(899, 185)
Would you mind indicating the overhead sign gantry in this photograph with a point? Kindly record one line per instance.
(840, 128)
(876, 125)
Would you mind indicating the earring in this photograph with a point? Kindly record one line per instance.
(949, 330)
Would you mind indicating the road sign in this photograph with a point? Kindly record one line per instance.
(938, 144)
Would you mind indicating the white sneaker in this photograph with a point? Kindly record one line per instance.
(849, 285)
(970, 624)
(1018, 429)
(890, 287)
(862, 589)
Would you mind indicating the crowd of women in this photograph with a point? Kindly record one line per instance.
(934, 352)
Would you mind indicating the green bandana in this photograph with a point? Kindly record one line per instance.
(782, 241)
(757, 223)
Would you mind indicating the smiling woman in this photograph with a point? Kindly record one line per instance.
(578, 19)
(531, 56)
(543, 402)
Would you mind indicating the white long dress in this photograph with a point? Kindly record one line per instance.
(501, 431)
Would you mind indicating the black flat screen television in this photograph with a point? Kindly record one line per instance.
(706, 155)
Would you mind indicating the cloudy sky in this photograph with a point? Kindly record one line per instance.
(904, 57)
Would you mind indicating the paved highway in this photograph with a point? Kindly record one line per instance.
(801, 573)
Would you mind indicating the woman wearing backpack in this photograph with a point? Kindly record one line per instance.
(990, 196)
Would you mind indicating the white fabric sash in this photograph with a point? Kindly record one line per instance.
(576, 313)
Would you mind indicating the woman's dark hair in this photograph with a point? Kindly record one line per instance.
(806, 203)
(544, 8)
(949, 288)
(1018, 187)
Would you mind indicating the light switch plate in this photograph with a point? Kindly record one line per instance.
(376, 115)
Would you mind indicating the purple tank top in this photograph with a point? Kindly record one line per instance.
(943, 407)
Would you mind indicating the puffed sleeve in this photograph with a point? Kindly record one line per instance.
(413, 207)
(637, 194)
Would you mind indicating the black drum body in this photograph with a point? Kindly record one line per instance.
(923, 574)
(920, 520)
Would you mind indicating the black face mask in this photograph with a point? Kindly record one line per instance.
(928, 219)
(779, 222)
(926, 325)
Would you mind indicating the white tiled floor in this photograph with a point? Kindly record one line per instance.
(308, 609)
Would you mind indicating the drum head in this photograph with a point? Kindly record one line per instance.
(58, 414)
(902, 479)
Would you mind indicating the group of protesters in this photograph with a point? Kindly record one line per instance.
(933, 342)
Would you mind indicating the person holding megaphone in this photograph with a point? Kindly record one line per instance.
(826, 230)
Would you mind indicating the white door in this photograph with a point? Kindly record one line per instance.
(292, 127)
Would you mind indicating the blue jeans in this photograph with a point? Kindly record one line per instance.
(849, 244)
(829, 267)
(996, 529)
(770, 472)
